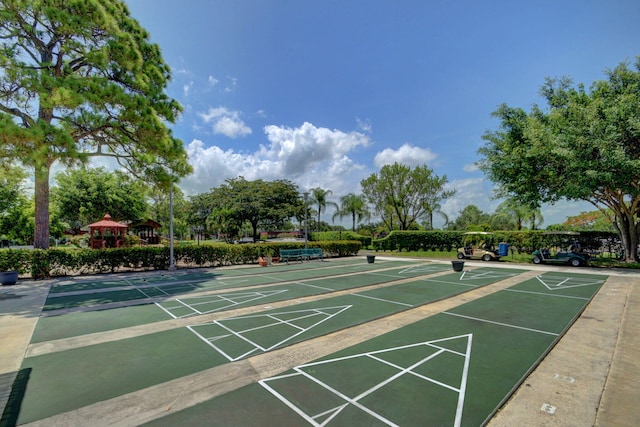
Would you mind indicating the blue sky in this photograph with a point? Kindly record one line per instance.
(324, 93)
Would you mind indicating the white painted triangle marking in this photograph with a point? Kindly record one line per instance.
(553, 283)
(231, 300)
(269, 320)
(439, 344)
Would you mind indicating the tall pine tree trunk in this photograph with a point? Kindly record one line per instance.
(41, 237)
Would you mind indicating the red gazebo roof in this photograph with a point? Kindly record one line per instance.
(107, 223)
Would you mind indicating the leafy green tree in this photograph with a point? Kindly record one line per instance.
(160, 210)
(401, 195)
(16, 223)
(81, 79)
(471, 218)
(585, 146)
(594, 220)
(222, 221)
(200, 206)
(512, 215)
(354, 206)
(83, 196)
(260, 204)
(11, 186)
(320, 197)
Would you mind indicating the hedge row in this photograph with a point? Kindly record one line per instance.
(341, 235)
(521, 241)
(61, 262)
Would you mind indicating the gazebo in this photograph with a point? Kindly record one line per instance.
(107, 233)
(147, 230)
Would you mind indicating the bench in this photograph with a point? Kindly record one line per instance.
(310, 253)
(300, 254)
(287, 254)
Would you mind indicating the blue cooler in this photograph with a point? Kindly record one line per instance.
(503, 249)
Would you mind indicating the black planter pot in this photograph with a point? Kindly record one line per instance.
(371, 259)
(8, 278)
(457, 265)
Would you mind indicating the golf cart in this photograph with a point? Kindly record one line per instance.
(572, 256)
(478, 245)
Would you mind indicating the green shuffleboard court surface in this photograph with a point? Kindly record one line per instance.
(71, 294)
(87, 322)
(101, 371)
(71, 379)
(455, 368)
(96, 319)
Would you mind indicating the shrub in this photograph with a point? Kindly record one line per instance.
(65, 261)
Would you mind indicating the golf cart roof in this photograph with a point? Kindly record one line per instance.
(485, 233)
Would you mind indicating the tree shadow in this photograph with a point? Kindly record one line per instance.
(13, 386)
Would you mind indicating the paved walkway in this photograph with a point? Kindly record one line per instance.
(591, 377)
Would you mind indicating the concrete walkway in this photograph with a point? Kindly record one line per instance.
(20, 308)
(590, 378)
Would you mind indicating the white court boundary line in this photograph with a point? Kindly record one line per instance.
(383, 300)
(428, 268)
(500, 323)
(485, 274)
(565, 279)
(240, 298)
(312, 419)
(275, 321)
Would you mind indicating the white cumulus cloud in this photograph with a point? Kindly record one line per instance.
(472, 167)
(226, 122)
(471, 191)
(407, 154)
(309, 156)
(299, 150)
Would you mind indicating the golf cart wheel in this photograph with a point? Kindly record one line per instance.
(486, 257)
(537, 260)
(460, 255)
(575, 262)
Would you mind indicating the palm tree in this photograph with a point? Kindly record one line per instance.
(536, 218)
(319, 197)
(436, 209)
(517, 214)
(354, 206)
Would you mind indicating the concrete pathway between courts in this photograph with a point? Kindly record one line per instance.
(591, 377)
(20, 308)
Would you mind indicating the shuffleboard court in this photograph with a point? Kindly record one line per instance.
(312, 269)
(67, 380)
(93, 318)
(452, 369)
(183, 307)
(166, 286)
(89, 322)
(245, 336)
(89, 375)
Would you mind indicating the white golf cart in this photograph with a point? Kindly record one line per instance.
(479, 245)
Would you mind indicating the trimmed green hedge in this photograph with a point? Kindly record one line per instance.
(419, 240)
(340, 235)
(61, 262)
(521, 241)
